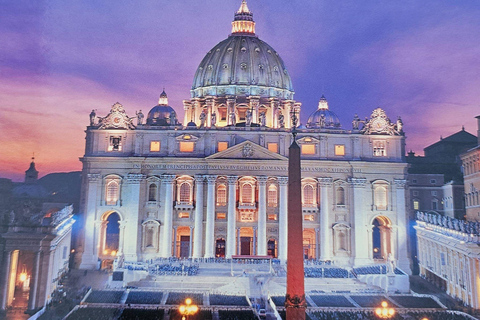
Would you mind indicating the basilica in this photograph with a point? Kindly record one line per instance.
(214, 184)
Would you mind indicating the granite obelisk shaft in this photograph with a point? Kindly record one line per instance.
(295, 299)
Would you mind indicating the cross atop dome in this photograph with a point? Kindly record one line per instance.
(243, 22)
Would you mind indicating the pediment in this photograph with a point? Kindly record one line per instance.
(249, 151)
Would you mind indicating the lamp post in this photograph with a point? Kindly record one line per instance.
(187, 309)
(385, 312)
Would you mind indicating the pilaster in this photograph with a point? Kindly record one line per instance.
(325, 225)
(262, 216)
(231, 222)
(210, 225)
(283, 219)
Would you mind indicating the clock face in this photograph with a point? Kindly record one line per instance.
(117, 120)
(379, 124)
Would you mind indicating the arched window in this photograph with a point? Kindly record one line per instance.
(340, 196)
(272, 195)
(380, 196)
(247, 193)
(152, 192)
(308, 195)
(184, 193)
(112, 193)
(221, 195)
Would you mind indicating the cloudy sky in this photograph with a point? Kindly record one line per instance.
(418, 59)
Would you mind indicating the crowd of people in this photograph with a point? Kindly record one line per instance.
(326, 272)
(378, 269)
(171, 269)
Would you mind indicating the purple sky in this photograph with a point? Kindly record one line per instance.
(60, 59)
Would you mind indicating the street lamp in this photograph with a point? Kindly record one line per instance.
(188, 309)
(385, 312)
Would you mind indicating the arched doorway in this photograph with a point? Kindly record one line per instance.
(381, 238)
(246, 241)
(110, 238)
(182, 246)
(309, 244)
(220, 248)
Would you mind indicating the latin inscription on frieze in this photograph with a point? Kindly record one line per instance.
(240, 167)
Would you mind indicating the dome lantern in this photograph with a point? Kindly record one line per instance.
(163, 100)
(243, 22)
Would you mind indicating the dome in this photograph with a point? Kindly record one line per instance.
(242, 64)
(323, 118)
(161, 114)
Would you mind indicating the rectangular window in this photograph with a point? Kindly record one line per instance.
(433, 181)
(64, 254)
(154, 146)
(416, 205)
(308, 217)
(221, 216)
(434, 205)
(379, 149)
(187, 146)
(339, 150)
(414, 181)
(115, 143)
(415, 193)
(272, 217)
(222, 145)
(272, 147)
(184, 215)
(308, 149)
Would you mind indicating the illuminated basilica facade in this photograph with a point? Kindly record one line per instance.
(215, 184)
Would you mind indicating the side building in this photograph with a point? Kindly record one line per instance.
(449, 248)
(215, 185)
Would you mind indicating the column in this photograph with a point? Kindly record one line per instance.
(402, 223)
(283, 219)
(198, 231)
(121, 236)
(254, 103)
(190, 245)
(238, 241)
(7, 263)
(317, 243)
(231, 213)
(262, 216)
(360, 225)
(174, 241)
(254, 246)
(89, 255)
(230, 109)
(210, 225)
(167, 181)
(274, 108)
(132, 204)
(209, 103)
(33, 288)
(187, 107)
(326, 230)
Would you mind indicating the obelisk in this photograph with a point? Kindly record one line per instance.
(295, 299)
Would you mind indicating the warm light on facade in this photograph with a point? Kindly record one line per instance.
(385, 312)
(308, 149)
(187, 309)
(154, 146)
(186, 146)
(222, 145)
(339, 150)
(273, 147)
(23, 277)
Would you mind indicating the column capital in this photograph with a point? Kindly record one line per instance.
(254, 228)
(325, 181)
(357, 182)
(168, 178)
(175, 227)
(283, 181)
(92, 177)
(199, 177)
(262, 180)
(400, 183)
(211, 179)
(191, 228)
(135, 177)
(232, 179)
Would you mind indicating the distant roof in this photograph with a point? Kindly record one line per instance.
(461, 136)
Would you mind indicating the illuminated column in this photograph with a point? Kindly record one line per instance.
(167, 181)
(274, 110)
(132, 205)
(198, 231)
(317, 243)
(187, 107)
(33, 288)
(190, 243)
(231, 222)
(283, 219)
(90, 254)
(121, 236)
(255, 252)
(7, 263)
(254, 103)
(287, 106)
(210, 225)
(361, 234)
(209, 103)
(175, 241)
(326, 230)
(230, 109)
(238, 241)
(262, 216)
(402, 220)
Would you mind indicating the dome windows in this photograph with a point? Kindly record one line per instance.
(225, 66)
(210, 67)
(243, 48)
(257, 50)
(243, 66)
(229, 50)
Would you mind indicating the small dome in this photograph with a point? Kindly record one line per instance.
(162, 114)
(323, 118)
(191, 124)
